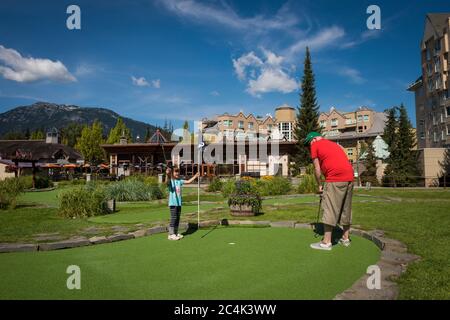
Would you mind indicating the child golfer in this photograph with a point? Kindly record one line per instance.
(174, 184)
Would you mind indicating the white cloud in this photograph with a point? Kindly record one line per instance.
(225, 16)
(140, 82)
(325, 38)
(264, 75)
(17, 68)
(215, 93)
(156, 83)
(84, 70)
(352, 74)
(240, 64)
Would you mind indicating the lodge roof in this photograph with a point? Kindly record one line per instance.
(36, 150)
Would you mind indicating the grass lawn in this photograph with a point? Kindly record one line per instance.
(419, 218)
(263, 263)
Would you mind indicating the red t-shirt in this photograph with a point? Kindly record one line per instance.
(333, 161)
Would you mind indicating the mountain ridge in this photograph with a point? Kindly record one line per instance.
(47, 115)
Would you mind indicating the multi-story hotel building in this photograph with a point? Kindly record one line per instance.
(352, 129)
(432, 89)
(240, 126)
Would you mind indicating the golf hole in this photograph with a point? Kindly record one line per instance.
(231, 243)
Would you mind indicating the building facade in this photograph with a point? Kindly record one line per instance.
(431, 89)
(250, 127)
(352, 130)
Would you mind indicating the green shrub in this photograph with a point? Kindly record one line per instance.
(42, 182)
(10, 189)
(308, 182)
(215, 185)
(245, 194)
(273, 186)
(133, 189)
(82, 202)
(151, 181)
(228, 187)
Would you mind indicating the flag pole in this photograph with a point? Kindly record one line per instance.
(199, 150)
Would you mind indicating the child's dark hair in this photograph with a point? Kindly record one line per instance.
(177, 170)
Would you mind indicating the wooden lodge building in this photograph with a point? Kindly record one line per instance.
(238, 157)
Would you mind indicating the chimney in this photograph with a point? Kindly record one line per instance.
(52, 136)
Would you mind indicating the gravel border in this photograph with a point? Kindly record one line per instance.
(393, 261)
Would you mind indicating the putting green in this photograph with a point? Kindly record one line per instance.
(222, 263)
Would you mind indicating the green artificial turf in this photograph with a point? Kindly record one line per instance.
(263, 263)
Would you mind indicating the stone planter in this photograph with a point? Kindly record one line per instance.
(241, 210)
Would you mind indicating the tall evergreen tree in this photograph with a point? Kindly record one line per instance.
(186, 125)
(307, 115)
(27, 134)
(402, 167)
(118, 131)
(370, 162)
(147, 134)
(89, 143)
(71, 133)
(37, 135)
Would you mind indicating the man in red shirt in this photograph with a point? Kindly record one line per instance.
(330, 160)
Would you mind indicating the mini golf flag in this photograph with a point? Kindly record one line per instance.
(201, 144)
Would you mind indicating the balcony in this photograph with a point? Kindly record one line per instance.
(350, 122)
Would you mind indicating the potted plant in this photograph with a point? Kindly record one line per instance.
(245, 200)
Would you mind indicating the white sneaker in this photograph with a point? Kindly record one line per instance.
(345, 243)
(180, 236)
(172, 237)
(321, 246)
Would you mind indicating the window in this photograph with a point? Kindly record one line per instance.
(422, 135)
(442, 117)
(429, 69)
(360, 118)
(285, 128)
(250, 125)
(228, 123)
(366, 118)
(448, 129)
(435, 139)
(437, 46)
(270, 127)
(322, 123)
(360, 129)
(334, 122)
(428, 53)
(442, 135)
(241, 125)
(434, 119)
(350, 152)
(430, 85)
(437, 64)
(447, 110)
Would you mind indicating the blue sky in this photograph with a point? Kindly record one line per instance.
(177, 60)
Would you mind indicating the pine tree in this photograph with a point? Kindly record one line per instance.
(37, 135)
(402, 167)
(307, 115)
(408, 169)
(370, 162)
(186, 125)
(71, 133)
(27, 134)
(89, 143)
(147, 134)
(118, 131)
